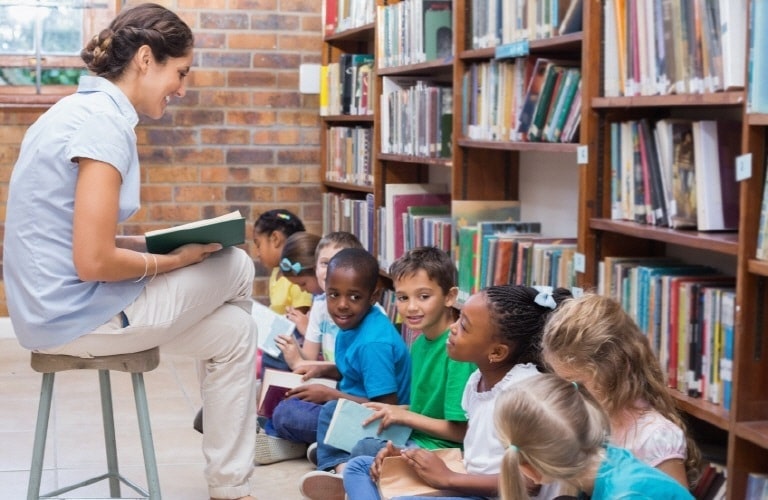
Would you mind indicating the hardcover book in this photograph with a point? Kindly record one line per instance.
(346, 428)
(228, 229)
(276, 383)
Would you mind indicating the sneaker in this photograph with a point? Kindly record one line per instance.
(312, 454)
(321, 485)
(197, 424)
(271, 449)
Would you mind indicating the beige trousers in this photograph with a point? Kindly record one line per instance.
(203, 312)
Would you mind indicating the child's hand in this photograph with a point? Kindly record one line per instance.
(428, 466)
(389, 414)
(300, 319)
(390, 450)
(291, 352)
(314, 393)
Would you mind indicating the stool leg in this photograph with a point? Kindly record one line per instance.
(142, 411)
(108, 417)
(41, 433)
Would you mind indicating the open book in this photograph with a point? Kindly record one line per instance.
(269, 325)
(346, 428)
(227, 229)
(276, 383)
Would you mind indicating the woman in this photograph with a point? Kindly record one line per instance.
(75, 287)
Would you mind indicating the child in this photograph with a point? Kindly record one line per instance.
(594, 342)
(424, 282)
(371, 360)
(499, 330)
(270, 232)
(297, 265)
(320, 336)
(554, 431)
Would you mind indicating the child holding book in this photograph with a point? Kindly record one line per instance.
(553, 430)
(371, 360)
(594, 342)
(424, 282)
(499, 330)
(270, 231)
(320, 336)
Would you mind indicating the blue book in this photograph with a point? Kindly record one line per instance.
(346, 428)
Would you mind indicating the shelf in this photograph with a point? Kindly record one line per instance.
(360, 33)
(703, 410)
(439, 69)
(347, 118)
(557, 45)
(757, 266)
(344, 186)
(722, 242)
(549, 147)
(755, 432)
(757, 119)
(421, 160)
(731, 98)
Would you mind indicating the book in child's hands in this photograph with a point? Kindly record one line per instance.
(227, 229)
(276, 383)
(398, 478)
(346, 428)
(269, 325)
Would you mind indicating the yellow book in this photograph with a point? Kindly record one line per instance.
(324, 90)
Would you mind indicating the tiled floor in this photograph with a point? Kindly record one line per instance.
(75, 448)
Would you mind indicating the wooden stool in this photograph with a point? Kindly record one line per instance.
(135, 363)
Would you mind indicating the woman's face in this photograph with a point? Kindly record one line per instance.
(160, 83)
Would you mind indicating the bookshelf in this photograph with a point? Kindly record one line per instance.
(743, 428)
(504, 169)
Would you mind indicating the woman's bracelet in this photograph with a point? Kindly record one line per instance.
(154, 257)
(146, 267)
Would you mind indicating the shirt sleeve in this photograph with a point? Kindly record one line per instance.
(107, 138)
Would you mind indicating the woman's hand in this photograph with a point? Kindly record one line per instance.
(193, 253)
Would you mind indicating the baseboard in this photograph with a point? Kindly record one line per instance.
(6, 329)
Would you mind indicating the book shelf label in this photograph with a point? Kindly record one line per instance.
(744, 167)
(582, 154)
(579, 262)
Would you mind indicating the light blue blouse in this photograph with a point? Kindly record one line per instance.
(48, 304)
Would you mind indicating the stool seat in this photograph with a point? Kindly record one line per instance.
(134, 363)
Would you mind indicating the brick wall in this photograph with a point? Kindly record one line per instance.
(242, 138)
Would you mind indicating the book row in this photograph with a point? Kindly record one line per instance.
(524, 99)
(347, 87)
(675, 173)
(416, 117)
(673, 47)
(687, 313)
(413, 31)
(500, 22)
(342, 15)
(348, 155)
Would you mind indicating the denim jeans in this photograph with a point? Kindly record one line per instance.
(296, 420)
(359, 485)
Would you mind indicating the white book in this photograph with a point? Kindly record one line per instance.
(269, 325)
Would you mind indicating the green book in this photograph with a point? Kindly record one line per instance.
(228, 229)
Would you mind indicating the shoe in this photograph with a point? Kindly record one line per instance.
(271, 449)
(321, 485)
(197, 424)
(312, 454)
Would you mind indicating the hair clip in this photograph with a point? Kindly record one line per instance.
(575, 385)
(286, 266)
(544, 298)
(514, 448)
(283, 216)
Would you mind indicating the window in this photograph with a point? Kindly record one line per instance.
(40, 43)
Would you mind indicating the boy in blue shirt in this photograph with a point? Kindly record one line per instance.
(372, 360)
